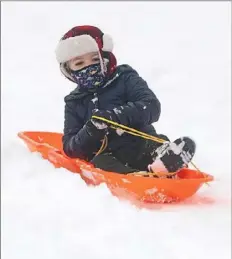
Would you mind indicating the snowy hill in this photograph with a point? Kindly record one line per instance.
(183, 50)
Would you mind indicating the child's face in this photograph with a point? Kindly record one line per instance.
(85, 60)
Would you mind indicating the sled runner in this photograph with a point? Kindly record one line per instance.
(131, 186)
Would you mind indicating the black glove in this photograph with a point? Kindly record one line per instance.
(94, 129)
(106, 114)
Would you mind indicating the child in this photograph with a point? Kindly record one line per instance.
(118, 94)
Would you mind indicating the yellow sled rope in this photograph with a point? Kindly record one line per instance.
(115, 125)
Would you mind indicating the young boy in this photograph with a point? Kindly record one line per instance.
(118, 94)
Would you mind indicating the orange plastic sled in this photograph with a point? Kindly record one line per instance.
(134, 188)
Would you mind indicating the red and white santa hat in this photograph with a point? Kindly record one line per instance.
(81, 40)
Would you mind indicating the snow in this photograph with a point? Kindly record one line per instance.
(183, 50)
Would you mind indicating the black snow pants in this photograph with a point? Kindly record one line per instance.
(125, 161)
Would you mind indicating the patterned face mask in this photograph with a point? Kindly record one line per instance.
(89, 77)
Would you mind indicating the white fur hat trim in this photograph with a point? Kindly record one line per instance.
(79, 45)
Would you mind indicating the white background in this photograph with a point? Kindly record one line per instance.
(183, 50)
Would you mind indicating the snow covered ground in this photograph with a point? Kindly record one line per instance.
(183, 50)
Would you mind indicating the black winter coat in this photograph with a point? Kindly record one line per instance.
(137, 107)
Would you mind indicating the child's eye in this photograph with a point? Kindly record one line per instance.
(78, 63)
(96, 59)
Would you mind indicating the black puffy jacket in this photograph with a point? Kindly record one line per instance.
(137, 107)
